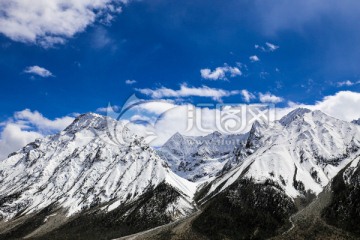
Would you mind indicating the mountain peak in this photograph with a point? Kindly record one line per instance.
(174, 139)
(89, 120)
(177, 134)
(88, 115)
(215, 134)
(295, 114)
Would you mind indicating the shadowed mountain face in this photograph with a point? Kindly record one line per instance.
(356, 121)
(246, 210)
(78, 184)
(344, 208)
(146, 212)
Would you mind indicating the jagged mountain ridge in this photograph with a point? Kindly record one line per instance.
(77, 170)
(301, 152)
(200, 158)
(80, 172)
(251, 201)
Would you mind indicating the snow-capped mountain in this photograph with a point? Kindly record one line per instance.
(200, 158)
(302, 152)
(77, 170)
(282, 167)
(85, 180)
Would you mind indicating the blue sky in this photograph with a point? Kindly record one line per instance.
(307, 50)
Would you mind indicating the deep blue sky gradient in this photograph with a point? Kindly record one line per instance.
(166, 43)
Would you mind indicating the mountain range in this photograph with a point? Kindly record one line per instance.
(289, 179)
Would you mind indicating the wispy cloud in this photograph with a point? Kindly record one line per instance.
(185, 91)
(247, 96)
(130, 81)
(269, 98)
(254, 58)
(220, 73)
(347, 83)
(40, 71)
(101, 39)
(269, 47)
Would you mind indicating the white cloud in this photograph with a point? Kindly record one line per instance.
(220, 73)
(343, 105)
(257, 46)
(157, 107)
(254, 58)
(42, 123)
(26, 126)
(269, 98)
(40, 71)
(153, 107)
(19, 130)
(13, 137)
(48, 23)
(130, 82)
(185, 91)
(113, 108)
(347, 83)
(247, 96)
(269, 47)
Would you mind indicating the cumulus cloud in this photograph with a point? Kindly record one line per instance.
(269, 98)
(185, 91)
(157, 107)
(40, 71)
(26, 126)
(48, 23)
(254, 58)
(177, 118)
(43, 124)
(220, 73)
(130, 81)
(343, 105)
(13, 137)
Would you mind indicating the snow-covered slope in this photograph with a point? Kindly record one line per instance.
(302, 152)
(200, 158)
(76, 170)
